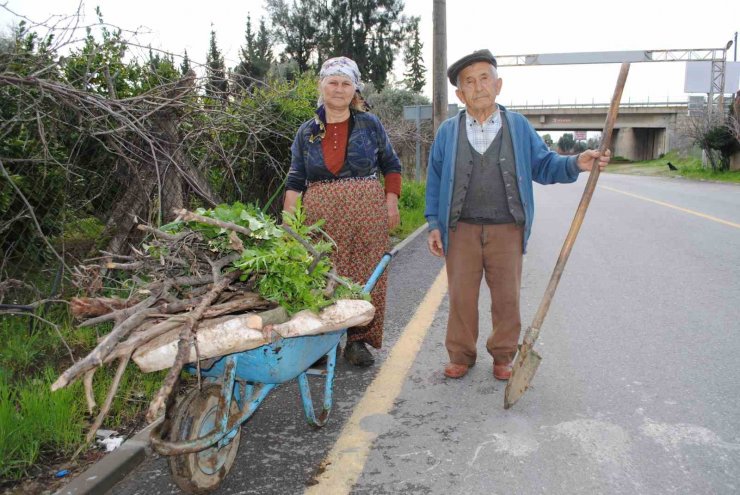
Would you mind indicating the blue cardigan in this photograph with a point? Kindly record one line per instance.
(534, 161)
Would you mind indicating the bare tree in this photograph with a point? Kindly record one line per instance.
(100, 138)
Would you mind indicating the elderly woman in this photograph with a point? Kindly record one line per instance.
(337, 158)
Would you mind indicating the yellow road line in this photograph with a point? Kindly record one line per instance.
(346, 461)
(685, 210)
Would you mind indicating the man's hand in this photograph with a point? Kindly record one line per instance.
(587, 158)
(394, 217)
(434, 242)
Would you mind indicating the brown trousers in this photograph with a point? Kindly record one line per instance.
(473, 250)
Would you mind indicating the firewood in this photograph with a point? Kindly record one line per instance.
(96, 357)
(88, 307)
(245, 302)
(216, 337)
(141, 337)
(342, 314)
(187, 335)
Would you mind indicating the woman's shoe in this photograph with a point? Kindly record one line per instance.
(356, 353)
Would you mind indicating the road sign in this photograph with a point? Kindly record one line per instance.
(424, 112)
(698, 77)
(579, 135)
(419, 113)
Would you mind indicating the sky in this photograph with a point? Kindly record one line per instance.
(506, 28)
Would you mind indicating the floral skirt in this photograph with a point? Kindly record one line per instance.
(356, 219)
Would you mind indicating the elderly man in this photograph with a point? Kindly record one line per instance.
(480, 205)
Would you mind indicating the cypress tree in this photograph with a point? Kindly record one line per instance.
(415, 78)
(370, 32)
(262, 51)
(217, 86)
(185, 65)
(255, 57)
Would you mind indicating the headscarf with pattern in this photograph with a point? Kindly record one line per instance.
(337, 66)
(342, 66)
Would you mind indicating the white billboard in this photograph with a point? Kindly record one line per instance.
(699, 77)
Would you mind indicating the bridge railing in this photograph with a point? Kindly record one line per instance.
(571, 105)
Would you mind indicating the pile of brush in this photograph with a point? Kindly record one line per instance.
(192, 277)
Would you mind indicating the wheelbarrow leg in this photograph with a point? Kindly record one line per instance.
(328, 375)
(227, 395)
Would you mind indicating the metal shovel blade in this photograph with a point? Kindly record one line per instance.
(522, 372)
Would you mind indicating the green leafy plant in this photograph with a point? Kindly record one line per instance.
(283, 268)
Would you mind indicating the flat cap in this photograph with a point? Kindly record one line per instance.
(454, 70)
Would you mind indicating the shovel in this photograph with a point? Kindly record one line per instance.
(527, 360)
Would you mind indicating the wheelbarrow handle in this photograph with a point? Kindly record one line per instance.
(378, 272)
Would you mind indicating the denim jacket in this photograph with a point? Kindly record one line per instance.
(368, 151)
(534, 162)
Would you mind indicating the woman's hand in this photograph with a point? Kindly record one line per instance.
(291, 198)
(394, 217)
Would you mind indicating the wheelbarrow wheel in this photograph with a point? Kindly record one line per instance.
(196, 416)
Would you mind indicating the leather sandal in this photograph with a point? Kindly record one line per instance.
(455, 370)
(502, 371)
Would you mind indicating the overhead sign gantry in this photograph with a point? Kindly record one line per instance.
(717, 56)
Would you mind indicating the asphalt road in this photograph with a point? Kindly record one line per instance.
(638, 391)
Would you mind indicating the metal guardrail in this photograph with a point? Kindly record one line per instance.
(623, 105)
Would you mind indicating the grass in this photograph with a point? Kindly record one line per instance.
(38, 426)
(411, 208)
(34, 421)
(688, 167)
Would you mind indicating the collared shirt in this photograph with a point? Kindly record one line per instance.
(481, 135)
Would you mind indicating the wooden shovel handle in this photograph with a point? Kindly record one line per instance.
(606, 137)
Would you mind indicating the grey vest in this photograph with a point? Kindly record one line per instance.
(485, 189)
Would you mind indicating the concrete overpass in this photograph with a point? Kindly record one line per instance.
(643, 131)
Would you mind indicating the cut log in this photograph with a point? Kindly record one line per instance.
(92, 307)
(216, 337)
(229, 334)
(342, 314)
(89, 307)
(186, 341)
(250, 300)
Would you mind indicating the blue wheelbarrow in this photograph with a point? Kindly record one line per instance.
(204, 427)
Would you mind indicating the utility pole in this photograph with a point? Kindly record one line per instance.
(439, 64)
